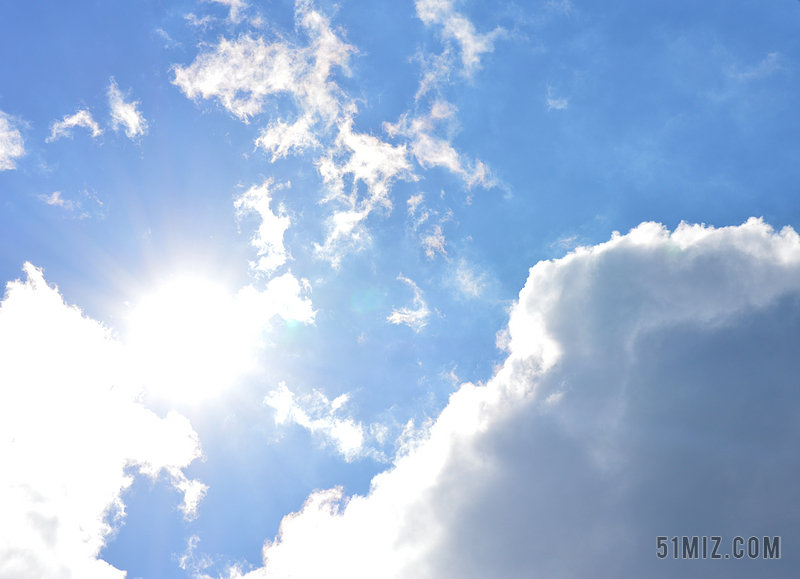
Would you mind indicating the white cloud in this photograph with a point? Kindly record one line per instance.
(243, 74)
(236, 6)
(82, 118)
(12, 145)
(57, 200)
(415, 317)
(125, 115)
(89, 206)
(282, 298)
(435, 70)
(202, 23)
(363, 158)
(169, 41)
(322, 417)
(765, 68)
(434, 242)
(414, 202)
(268, 240)
(564, 6)
(650, 389)
(553, 103)
(455, 26)
(71, 430)
(468, 281)
(431, 150)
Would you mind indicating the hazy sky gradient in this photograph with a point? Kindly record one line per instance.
(431, 289)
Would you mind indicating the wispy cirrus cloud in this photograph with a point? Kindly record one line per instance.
(85, 206)
(82, 118)
(236, 8)
(326, 419)
(763, 69)
(244, 74)
(168, 40)
(12, 145)
(56, 199)
(431, 150)
(469, 281)
(555, 103)
(457, 27)
(431, 236)
(125, 115)
(414, 316)
(361, 158)
(429, 133)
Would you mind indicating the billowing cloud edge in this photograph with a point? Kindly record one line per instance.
(582, 315)
(72, 433)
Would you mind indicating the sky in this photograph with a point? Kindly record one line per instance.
(428, 288)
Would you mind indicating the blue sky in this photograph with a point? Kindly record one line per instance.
(433, 288)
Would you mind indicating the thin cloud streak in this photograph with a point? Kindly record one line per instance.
(82, 118)
(125, 115)
(416, 316)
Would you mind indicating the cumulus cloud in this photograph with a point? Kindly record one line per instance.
(71, 436)
(125, 115)
(650, 389)
(268, 240)
(82, 118)
(321, 417)
(415, 317)
(12, 145)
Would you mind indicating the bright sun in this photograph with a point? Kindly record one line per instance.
(190, 340)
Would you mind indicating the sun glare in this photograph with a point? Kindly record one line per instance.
(190, 340)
